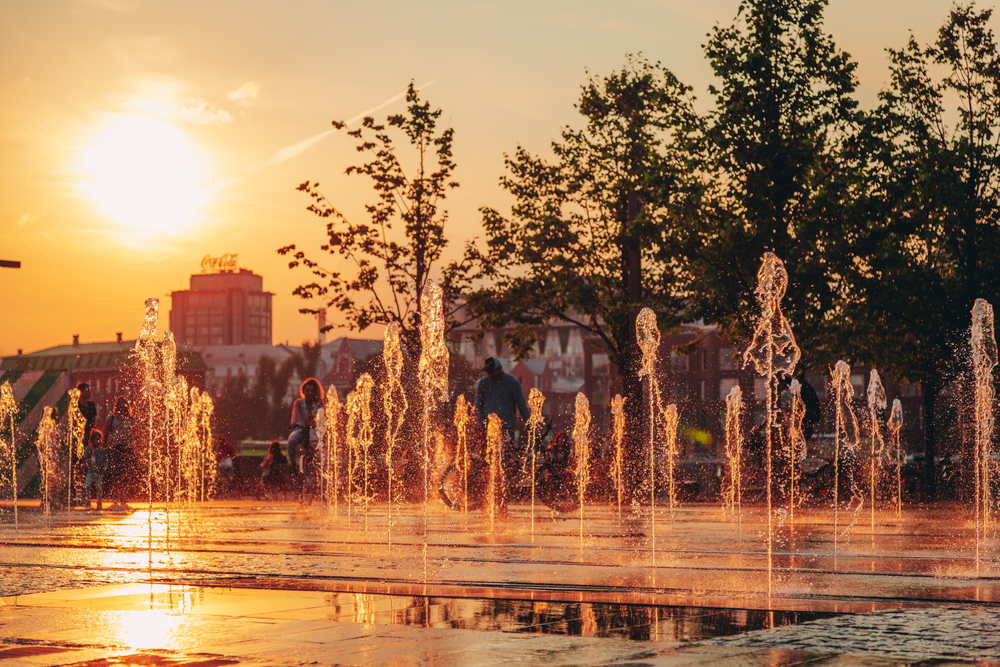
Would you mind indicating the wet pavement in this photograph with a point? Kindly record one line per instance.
(246, 583)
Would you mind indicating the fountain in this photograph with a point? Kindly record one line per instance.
(772, 352)
(876, 404)
(736, 554)
(8, 438)
(732, 496)
(984, 360)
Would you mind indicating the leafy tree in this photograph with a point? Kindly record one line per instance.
(782, 160)
(257, 407)
(933, 245)
(583, 242)
(306, 360)
(390, 269)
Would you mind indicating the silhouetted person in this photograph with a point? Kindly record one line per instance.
(96, 461)
(303, 437)
(121, 458)
(274, 469)
(88, 409)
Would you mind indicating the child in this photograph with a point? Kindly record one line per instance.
(96, 459)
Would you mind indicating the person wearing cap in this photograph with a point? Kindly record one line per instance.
(500, 393)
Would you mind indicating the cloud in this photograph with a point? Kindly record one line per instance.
(26, 219)
(245, 95)
(148, 49)
(200, 112)
(301, 147)
(111, 5)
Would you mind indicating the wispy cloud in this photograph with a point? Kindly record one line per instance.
(112, 5)
(27, 219)
(245, 95)
(301, 147)
(144, 50)
(200, 112)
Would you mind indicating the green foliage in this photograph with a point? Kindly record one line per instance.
(257, 407)
(781, 157)
(577, 216)
(389, 270)
(933, 245)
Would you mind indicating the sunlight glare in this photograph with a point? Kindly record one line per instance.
(144, 174)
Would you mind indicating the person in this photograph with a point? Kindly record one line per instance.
(224, 455)
(88, 409)
(118, 432)
(274, 469)
(303, 437)
(500, 393)
(96, 461)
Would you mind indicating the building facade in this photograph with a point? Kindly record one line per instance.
(223, 308)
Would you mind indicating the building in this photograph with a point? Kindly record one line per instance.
(339, 358)
(227, 361)
(228, 307)
(106, 367)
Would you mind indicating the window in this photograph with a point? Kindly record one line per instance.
(727, 359)
(678, 362)
(726, 385)
(760, 389)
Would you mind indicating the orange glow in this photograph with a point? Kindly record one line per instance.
(144, 174)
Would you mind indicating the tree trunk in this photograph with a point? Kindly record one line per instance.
(930, 392)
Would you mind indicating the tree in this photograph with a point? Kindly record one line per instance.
(782, 160)
(390, 270)
(933, 245)
(584, 238)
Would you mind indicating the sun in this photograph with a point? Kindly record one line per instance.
(144, 174)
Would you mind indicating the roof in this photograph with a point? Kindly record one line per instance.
(360, 348)
(536, 366)
(237, 355)
(89, 356)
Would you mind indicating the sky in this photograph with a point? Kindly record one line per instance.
(138, 136)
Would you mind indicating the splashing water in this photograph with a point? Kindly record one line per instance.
(353, 413)
(845, 444)
(796, 444)
(671, 420)
(732, 495)
(895, 424)
(48, 455)
(75, 428)
(463, 417)
(432, 368)
(329, 436)
(496, 489)
(618, 438)
(648, 336)
(8, 439)
(581, 451)
(395, 404)
(535, 421)
(772, 352)
(363, 398)
(432, 371)
(984, 359)
(876, 404)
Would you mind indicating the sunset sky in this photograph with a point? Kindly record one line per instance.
(137, 136)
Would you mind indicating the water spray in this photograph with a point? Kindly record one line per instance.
(772, 352)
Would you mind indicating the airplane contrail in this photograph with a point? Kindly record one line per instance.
(299, 148)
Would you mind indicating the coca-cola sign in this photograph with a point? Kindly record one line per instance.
(227, 262)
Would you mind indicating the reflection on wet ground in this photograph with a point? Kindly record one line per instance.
(166, 580)
(700, 559)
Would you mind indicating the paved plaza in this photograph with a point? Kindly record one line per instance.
(242, 583)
